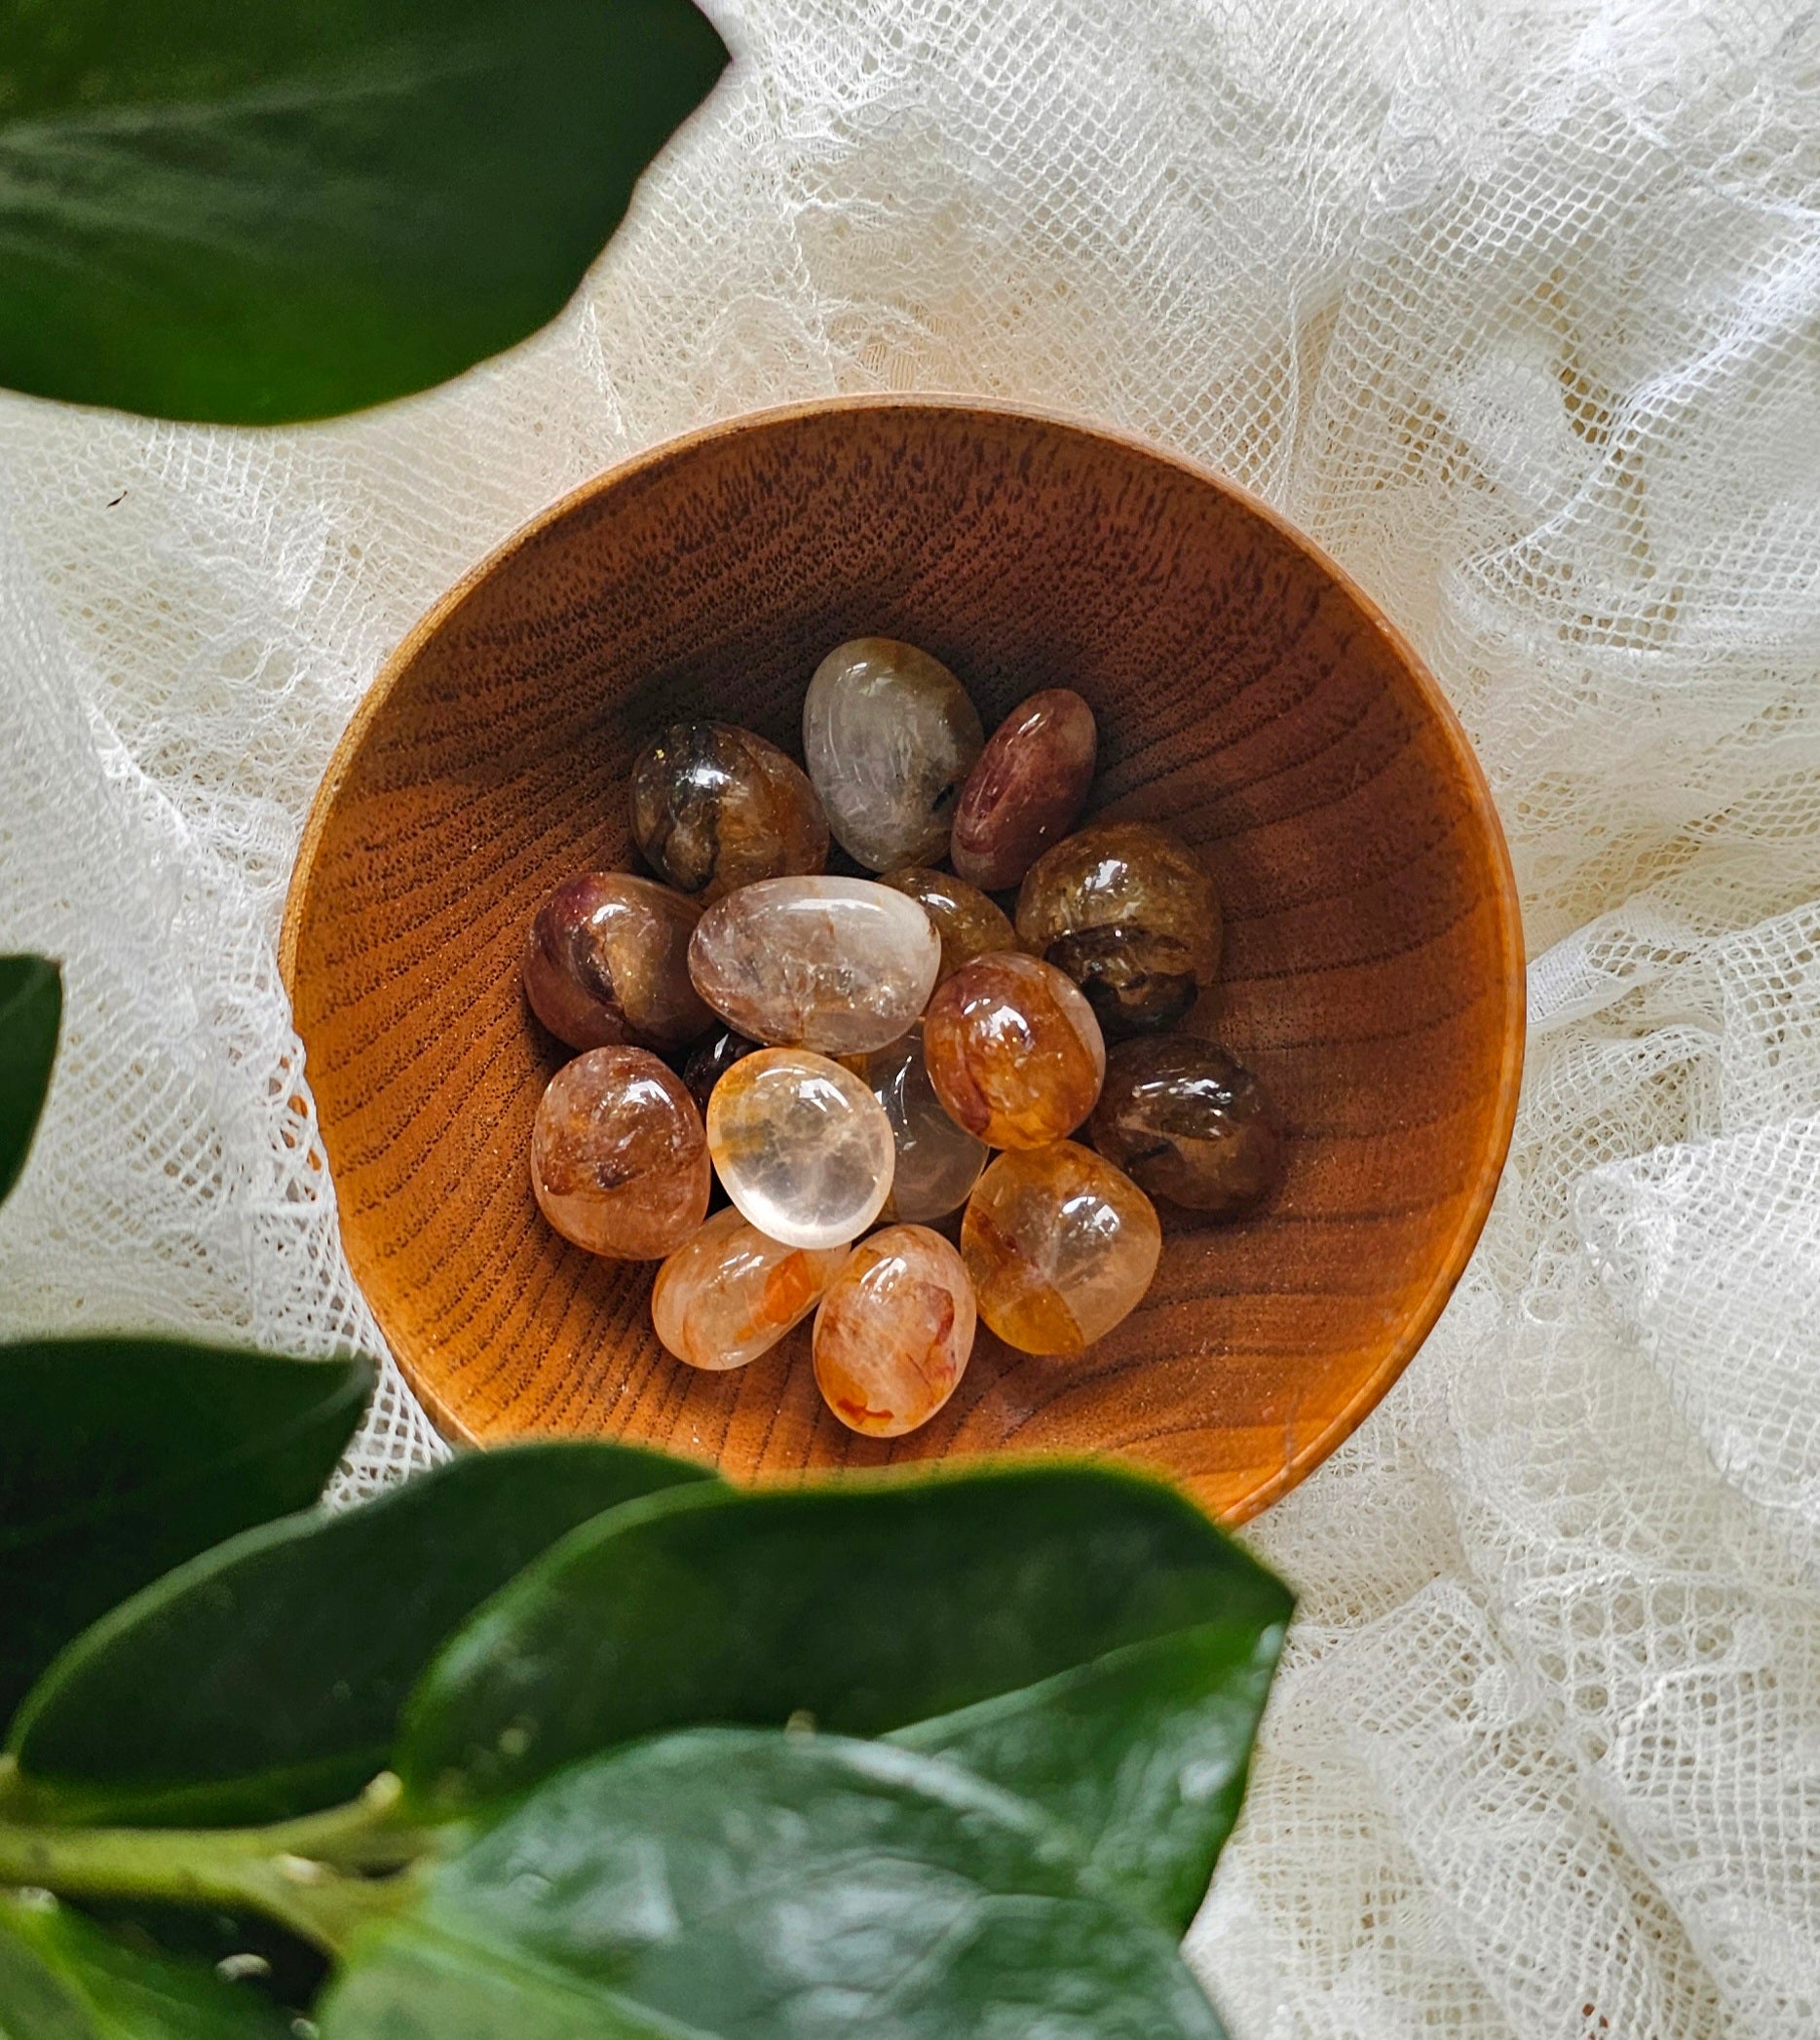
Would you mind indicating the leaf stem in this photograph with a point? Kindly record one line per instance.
(321, 1876)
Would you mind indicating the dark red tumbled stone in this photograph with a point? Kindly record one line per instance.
(1031, 782)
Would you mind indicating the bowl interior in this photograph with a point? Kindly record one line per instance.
(1246, 694)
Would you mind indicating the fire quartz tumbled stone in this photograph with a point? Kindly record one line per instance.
(889, 735)
(1060, 1245)
(1130, 912)
(607, 960)
(968, 923)
(730, 1293)
(1030, 784)
(715, 806)
(937, 1162)
(1188, 1122)
(1014, 1052)
(619, 1157)
(839, 965)
(894, 1332)
(801, 1146)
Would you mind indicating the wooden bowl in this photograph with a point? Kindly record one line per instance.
(1248, 694)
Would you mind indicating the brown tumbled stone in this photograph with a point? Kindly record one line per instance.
(619, 1156)
(607, 960)
(1186, 1122)
(715, 806)
(1130, 912)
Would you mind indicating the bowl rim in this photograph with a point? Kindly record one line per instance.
(1420, 1320)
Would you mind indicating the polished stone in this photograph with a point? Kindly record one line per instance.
(1186, 1122)
(1060, 1246)
(937, 1162)
(841, 965)
(968, 923)
(607, 960)
(889, 735)
(894, 1332)
(1031, 782)
(801, 1146)
(619, 1158)
(1128, 910)
(1014, 1052)
(730, 1293)
(715, 807)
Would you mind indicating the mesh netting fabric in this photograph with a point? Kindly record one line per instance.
(1517, 307)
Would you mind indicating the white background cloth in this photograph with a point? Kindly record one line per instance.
(1515, 303)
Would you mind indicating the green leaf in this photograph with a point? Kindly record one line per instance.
(121, 1458)
(31, 1011)
(1143, 1754)
(256, 214)
(264, 1679)
(751, 1885)
(63, 1978)
(866, 1607)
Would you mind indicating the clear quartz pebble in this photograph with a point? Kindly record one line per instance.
(894, 1332)
(730, 1293)
(841, 965)
(939, 1162)
(801, 1147)
(889, 737)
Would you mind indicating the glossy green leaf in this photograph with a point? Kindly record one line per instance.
(61, 1978)
(1143, 1754)
(121, 1458)
(264, 1679)
(254, 214)
(31, 1011)
(752, 1885)
(865, 1606)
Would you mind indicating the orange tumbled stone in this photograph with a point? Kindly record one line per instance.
(895, 1331)
(730, 1293)
(1013, 1051)
(966, 921)
(619, 1156)
(1060, 1245)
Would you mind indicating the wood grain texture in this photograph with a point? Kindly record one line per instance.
(1248, 694)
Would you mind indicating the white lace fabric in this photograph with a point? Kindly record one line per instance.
(1516, 307)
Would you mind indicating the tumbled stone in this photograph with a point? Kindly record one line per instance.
(607, 960)
(1129, 911)
(841, 965)
(937, 1162)
(1060, 1245)
(889, 735)
(619, 1158)
(801, 1146)
(715, 807)
(730, 1293)
(710, 1062)
(1013, 1051)
(968, 923)
(1188, 1122)
(894, 1332)
(1030, 784)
